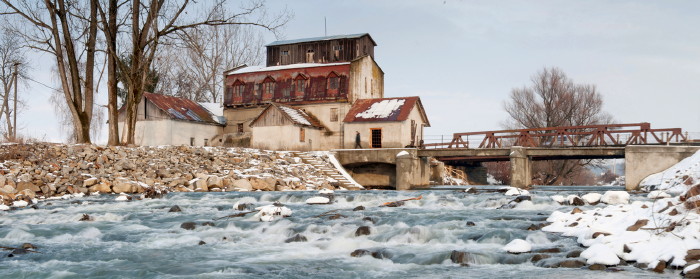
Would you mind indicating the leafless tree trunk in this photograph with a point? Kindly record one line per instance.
(554, 100)
(13, 66)
(110, 29)
(67, 30)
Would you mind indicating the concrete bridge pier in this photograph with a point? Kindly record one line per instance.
(520, 170)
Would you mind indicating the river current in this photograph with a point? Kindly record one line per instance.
(142, 239)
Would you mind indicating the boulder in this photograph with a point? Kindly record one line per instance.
(597, 267)
(460, 257)
(214, 181)
(360, 253)
(175, 208)
(123, 186)
(296, 238)
(188, 225)
(102, 187)
(363, 230)
(200, 185)
(518, 246)
(27, 193)
(242, 185)
(574, 254)
(90, 181)
(358, 208)
(261, 184)
(539, 257)
(615, 197)
(571, 264)
(27, 185)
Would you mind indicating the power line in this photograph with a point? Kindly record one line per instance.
(49, 87)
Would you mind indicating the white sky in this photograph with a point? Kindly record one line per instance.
(464, 57)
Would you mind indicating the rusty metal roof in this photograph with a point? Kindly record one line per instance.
(296, 116)
(181, 108)
(385, 109)
(326, 38)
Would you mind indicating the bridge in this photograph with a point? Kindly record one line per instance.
(637, 143)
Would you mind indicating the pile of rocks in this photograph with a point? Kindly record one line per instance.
(30, 171)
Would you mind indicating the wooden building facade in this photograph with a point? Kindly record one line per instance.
(329, 49)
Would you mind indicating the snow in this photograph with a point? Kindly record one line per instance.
(518, 246)
(558, 198)
(295, 115)
(325, 191)
(341, 169)
(615, 197)
(691, 267)
(512, 191)
(658, 195)
(600, 254)
(20, 203)
(591, 198)
(674, 179)
(402, 153)
(318, 200)
(381, 109)
(269, 213)
(122, 197)
(253, 69)
(4, 207)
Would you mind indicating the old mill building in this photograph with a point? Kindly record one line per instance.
(313, 94)
(317, 94)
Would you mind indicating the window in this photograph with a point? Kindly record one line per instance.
(206, 142)
(376, 138)
(285, 92)
(334, 115)
(310, 56)
(240, 127)
(301, 84)
(302, 135)
(229, 94)
(365, 85)
(191, 141)
(338, 47)
(285, 52)
(238, 90)
(268, 89)
(334, 82)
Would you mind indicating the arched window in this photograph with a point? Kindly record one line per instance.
(333, 84)
(237, 92)
(299, 85)
(268, 88)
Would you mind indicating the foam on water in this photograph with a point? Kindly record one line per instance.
(142, 239)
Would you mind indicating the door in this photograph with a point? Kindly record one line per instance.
(375, 140)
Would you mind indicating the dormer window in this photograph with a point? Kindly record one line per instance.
(237, 91)
(268, 88)
(333, 81)
(299, 85)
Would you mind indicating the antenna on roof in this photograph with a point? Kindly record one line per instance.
(325, 29)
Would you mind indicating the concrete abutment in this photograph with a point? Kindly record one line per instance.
(644, 160)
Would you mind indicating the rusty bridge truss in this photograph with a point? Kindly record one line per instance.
(572, 136)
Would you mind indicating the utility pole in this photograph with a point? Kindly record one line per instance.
(14, 109)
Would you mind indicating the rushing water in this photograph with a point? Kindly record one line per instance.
(142, 239)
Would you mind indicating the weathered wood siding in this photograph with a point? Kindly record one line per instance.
(272, 117)
(327, 51)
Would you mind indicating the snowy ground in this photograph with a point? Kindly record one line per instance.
(655, 232)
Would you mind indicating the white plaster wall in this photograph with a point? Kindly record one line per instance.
(366, 80)
(171, 132)
(395, 134)
(286, 138)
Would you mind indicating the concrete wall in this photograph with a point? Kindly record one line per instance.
(286, 138)
(373, 167)
(395, 134)
(366, 80)
(644, 160)
(172, 132)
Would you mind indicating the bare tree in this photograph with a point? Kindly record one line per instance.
(554, 100)
(193, 66)
(68, 31)
(13, 66)
(155, 21)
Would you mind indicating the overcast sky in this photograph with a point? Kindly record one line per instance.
(464, 57)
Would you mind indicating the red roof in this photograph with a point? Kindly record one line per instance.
(384, 109)
(180, 108)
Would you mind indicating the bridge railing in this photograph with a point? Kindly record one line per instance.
(568, 136)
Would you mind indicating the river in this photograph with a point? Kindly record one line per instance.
(141, 239)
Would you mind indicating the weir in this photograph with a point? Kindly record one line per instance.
(407, 168)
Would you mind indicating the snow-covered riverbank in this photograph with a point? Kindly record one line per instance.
(659, 232)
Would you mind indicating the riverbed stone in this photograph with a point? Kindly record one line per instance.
(242, 184)
(27, 185)
(175, 208)
(539, 257)
(188, 225)
(571, 264)
(363, 230)
(640, 223)
(597, 267)
(360, 253)
(659, 268)
(296, 238)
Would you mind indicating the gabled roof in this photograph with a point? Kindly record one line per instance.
(326, 38)
(253, 69)
(385, 109)
(181, 108)
(296, 116)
